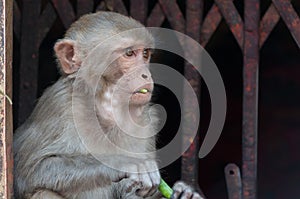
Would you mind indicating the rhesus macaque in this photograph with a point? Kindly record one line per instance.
(108, 76)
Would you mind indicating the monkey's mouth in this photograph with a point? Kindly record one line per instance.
(141, 96)
(142, 91)
(146, 89)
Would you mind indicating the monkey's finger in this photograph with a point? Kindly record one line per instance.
(178, 189)
(132, 185)
(130, 169)
(183, 191)
(146, 186)
(155, 179)
(117, 176)
(196, 196)
(153, 172)
(146, 182)
(154, 176)
(133, 179)
(179, 186)
(186, 194)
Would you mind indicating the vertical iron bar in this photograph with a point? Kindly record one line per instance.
(6, 127)
(250, 96)
(190, 160)
(16, 20)
(29, 58)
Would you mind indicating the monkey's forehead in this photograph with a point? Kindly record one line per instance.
(107, 25)
(136, 43)
(132, 38)
(137, 36)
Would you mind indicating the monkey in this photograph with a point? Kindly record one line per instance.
(90, 134)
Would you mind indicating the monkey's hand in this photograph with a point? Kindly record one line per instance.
(143, 178)
(183, 191)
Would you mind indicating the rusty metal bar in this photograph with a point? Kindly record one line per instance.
(138, 10)
(194, 12)
(120, 7)
(6, 126)
(190, 159)
(267, 24)
(46, 21)
(210, 24)
(84, 7)
(157, 17)
(233, 19)
(290, 18)
(17, 20)
(117, 6)
(233, 181)
(250, 94)
(173, 13)
(65, 12)
(29, 58)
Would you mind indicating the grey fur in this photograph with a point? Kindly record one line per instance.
(51, 160)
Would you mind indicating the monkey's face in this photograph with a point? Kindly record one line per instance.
(130, 75)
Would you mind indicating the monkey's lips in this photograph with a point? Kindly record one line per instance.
(142, 95)
(142, 91)
(145, 89)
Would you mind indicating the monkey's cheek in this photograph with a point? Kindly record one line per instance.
(140, 98)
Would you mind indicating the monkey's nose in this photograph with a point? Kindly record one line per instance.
(144, 76)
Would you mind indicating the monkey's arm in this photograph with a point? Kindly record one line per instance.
(67, 174)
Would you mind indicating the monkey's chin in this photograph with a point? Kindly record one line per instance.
(140, 98)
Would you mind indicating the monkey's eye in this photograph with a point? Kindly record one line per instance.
(129, 52)
(146, 53)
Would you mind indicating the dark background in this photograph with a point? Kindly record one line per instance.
(279, 108)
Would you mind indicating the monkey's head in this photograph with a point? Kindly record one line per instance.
(116, 47)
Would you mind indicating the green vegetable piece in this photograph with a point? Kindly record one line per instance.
(143, 90)
(164, 189)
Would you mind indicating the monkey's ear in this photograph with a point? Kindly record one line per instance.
(65, 53)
